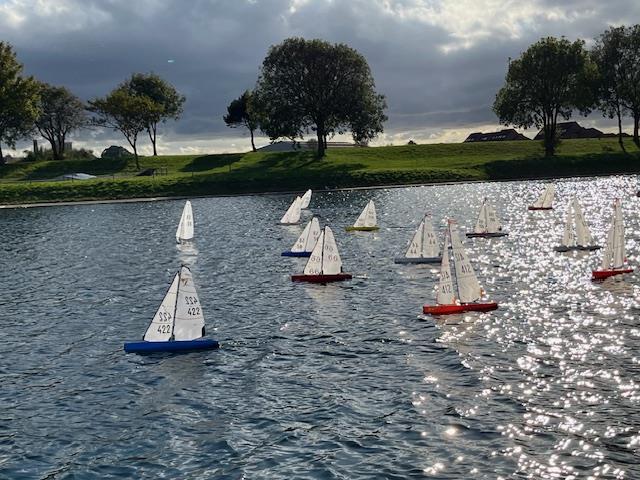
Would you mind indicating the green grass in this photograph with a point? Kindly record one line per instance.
(349, 167)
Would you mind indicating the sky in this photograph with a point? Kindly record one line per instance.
(439, 62)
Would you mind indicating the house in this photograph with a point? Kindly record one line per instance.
(501, 136)
(572, 130)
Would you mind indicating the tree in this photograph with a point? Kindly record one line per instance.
(18, 100)
(313, 85)
(124, 112)
(630, 88)
(61, 112)
(168, 100)
(608, 56)
(551, 79)
(240, 113)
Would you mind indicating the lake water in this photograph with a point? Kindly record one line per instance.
(341, 381)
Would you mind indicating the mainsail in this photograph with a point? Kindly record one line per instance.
(583, 235)
(185, 227)
(368, 216)
(424, 242)
(568, 238)
(445, 295)
(487, 221)
(614, 255)
(293, 212)
(545, 200)
(469, 289)
(306, 199)
(324, 259)
(307, 240)
(314, 264)
(179, 316)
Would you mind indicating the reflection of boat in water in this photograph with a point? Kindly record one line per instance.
(178, 325)
(461, 293)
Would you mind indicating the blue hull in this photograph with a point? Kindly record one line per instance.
(171, 346)
(296, 254)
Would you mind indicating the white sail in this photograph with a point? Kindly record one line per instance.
(314, 264)
(568, 239)
(307, 240)
(469, 289)
(189, 319)
(583, 235)
(618, 238)
(292, 214)
(331, 262)
(185, 227)
(607, 254)
(368, 216)
(161, 327)
(493, 222)
(445, 295)
(415, 246)
(306, 199)
(430, 246)
(481, 222)
(545, 200)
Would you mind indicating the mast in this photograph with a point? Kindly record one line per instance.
(322, 250)
(175, 306)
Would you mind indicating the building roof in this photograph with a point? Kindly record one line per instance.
(572, 130)
(283, 146)
(501, 136)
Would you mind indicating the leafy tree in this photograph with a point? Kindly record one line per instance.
(168, 100)
(61, 112)
(240, 113)
(551, 79)
(18, 99)
(608, 56)
(630, 88)
(313, 85)
(126, 113)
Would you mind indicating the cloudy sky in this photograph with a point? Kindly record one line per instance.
(439, 62)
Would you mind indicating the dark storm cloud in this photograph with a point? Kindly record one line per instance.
(439, 63)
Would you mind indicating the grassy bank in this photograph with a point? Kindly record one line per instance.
(260, 172)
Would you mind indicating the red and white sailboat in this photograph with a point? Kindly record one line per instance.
(324, 264)
(545, 200)
(613, 257)
(463, 292)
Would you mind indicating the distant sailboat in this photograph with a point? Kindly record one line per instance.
(324, 264)
(367, 221)
(613, 257)
(178, 325)
(424, 246)
(487, 224)
(545, 200)
(306, 199)
(292, 215)
(185, 227)
(462, 293)
(306, 241)
(578, 238)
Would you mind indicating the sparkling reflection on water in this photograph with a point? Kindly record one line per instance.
(337, 381)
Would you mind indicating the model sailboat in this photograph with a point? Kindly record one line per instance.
(306, 199)
(178, 325)
(367, 221)
(576, 232)
(545, 200)
(324, 264)
(613, 257)
(487, 224)
(185, 227)
(292, 215)
(306, 241)
(424, 246)
(461, 293)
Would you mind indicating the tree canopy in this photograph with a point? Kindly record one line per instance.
(125, 112)
(61, 112)
(18, 99)
(551, 79)
(315, 86)
(240, 113)
(169, 102)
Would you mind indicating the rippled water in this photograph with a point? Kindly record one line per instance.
(337, 381)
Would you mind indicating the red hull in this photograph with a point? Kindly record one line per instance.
(604, 274)
(540, 208)
(452, 309)
(338, 277)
